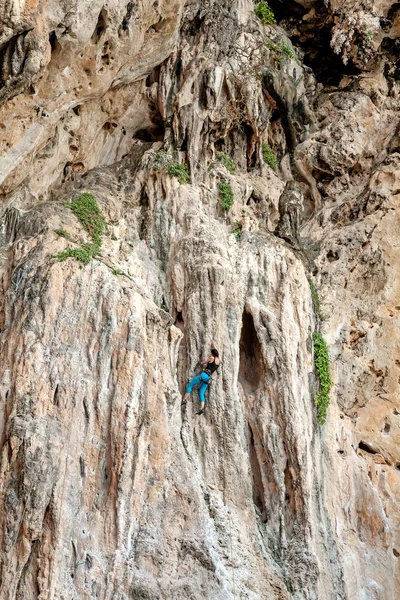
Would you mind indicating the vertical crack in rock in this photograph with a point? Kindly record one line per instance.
(258, 488)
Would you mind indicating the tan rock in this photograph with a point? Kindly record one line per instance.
(109, 488)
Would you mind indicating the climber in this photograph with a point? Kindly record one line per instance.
(210, 366)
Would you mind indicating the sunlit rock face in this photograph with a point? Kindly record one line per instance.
(186, 121)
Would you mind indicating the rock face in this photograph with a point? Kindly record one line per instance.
(166, 112)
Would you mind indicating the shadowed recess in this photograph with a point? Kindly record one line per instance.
(251, 362)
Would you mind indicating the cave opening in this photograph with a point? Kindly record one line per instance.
(155, 130)
(100, 26)
(53, 40)
(251, 366)
(153, 133)
(313, 36)
(285, 10)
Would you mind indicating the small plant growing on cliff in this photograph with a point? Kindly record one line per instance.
(227, 162)
(63, 233)
(86, 209)
(321, 359)
(181, 171)
(163, 161)
(286, 50)
(237, 230)
(269, 156)
(264, 13)
(280, 52)
(84, 254)
(225, 195)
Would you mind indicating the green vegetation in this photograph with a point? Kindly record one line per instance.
(163, 161)
(225, 195)
(181, 171)
(321, 359)
(86, 209)
(315, 297)
(264, 13)
(269, 156)
(281, 51)
(63, 233)
(286, 49)
(84, 254)
(237, 230)
(227, 162)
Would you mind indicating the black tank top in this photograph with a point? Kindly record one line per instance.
(211, 367)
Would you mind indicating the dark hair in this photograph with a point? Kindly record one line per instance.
(214, 352)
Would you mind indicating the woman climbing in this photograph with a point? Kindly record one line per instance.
(210, 366)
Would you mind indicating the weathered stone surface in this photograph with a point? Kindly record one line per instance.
(109, 488)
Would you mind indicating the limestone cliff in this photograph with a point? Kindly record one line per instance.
(177, 125)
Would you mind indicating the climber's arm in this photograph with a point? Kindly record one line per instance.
(205, 362)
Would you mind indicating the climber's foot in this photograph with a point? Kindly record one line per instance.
(200, 412)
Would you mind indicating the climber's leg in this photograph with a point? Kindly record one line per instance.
(204, 385)
(195, 381)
